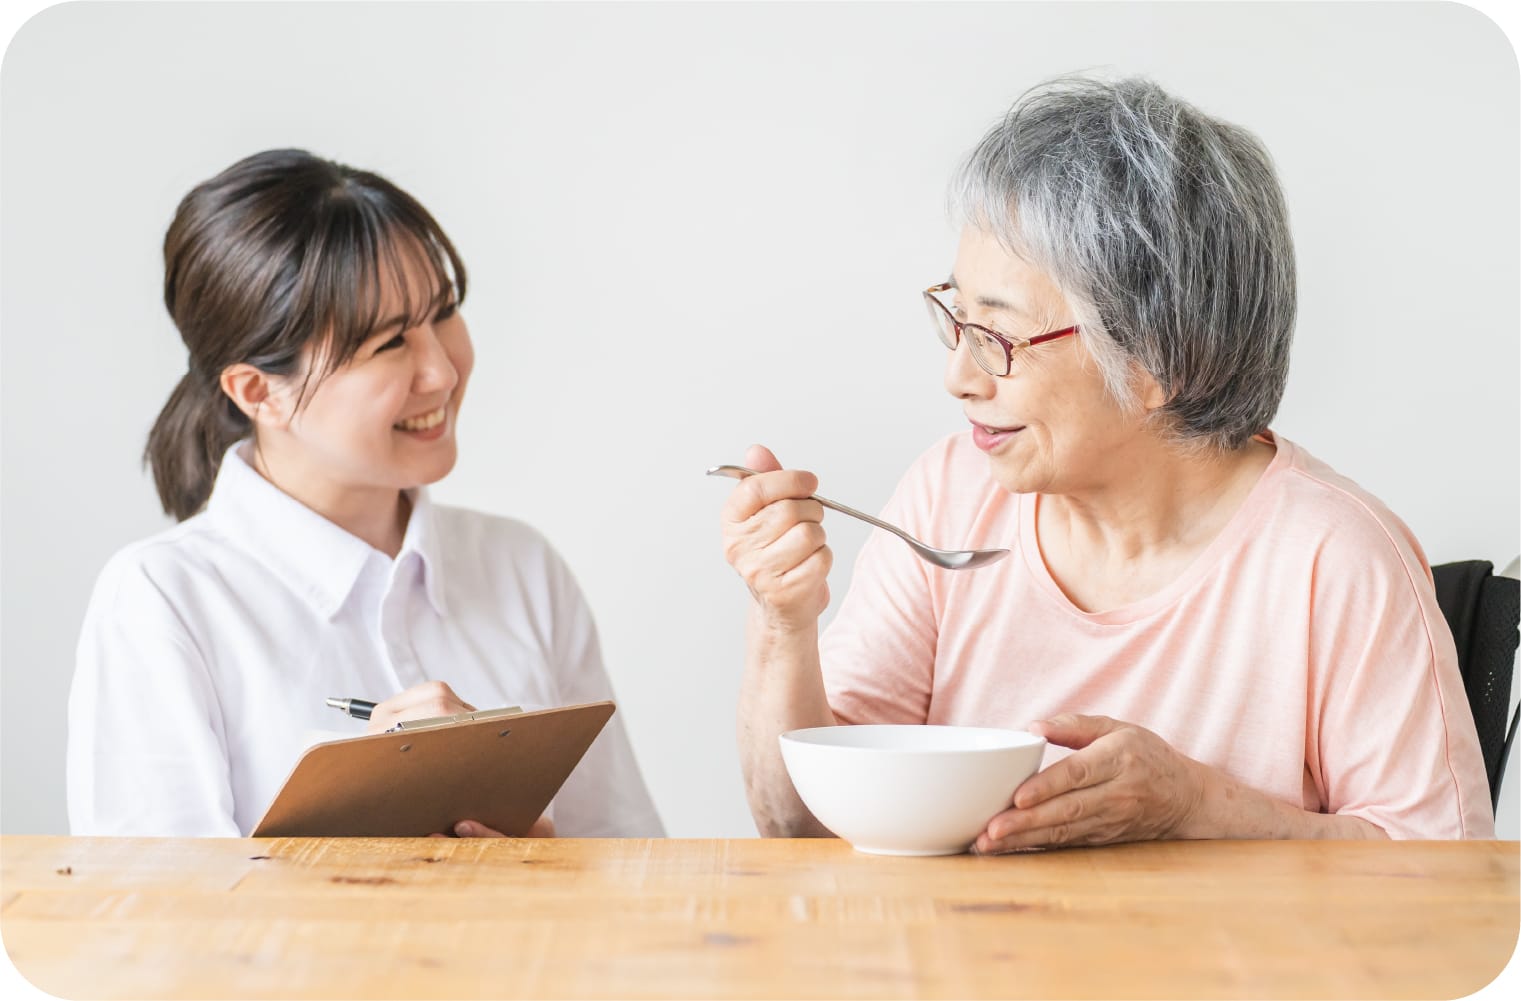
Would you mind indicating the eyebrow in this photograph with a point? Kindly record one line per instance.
(400, 319)
(991, 302)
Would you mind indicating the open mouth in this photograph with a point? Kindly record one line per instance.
(422, 422)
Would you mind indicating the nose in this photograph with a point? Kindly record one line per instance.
(435, 371)
(964, 378)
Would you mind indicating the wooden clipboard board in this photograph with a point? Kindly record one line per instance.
(501, 771)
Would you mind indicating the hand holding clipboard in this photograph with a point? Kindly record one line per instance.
(436, 696)
(498, 767)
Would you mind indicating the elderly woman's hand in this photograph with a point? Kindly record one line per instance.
(773, 538)
(1122, 783)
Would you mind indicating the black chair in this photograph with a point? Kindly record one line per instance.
(1483, 612)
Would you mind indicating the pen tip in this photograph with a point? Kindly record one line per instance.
(335, 703)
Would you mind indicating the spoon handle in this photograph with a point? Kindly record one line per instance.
(740, 472)
(843, 509)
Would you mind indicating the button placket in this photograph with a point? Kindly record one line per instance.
(395, 627)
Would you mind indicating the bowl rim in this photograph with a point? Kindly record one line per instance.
(1025, 740)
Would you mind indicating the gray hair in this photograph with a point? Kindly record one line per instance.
(1167, 232)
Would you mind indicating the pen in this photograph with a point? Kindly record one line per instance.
(357, 708)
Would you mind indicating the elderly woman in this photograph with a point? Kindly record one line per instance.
(1219, 635)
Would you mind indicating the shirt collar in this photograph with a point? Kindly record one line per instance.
(422, 539)
(312, 556)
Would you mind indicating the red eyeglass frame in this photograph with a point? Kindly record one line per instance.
(1009, 347)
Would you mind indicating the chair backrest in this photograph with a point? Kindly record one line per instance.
(1483, 612)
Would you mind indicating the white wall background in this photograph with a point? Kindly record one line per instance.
(693, 227)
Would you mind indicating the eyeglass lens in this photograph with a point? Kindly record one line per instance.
(986, 352)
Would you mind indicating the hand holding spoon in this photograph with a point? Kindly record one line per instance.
(948, 559)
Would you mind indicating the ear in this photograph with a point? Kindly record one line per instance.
(254, 392)
(1150, 393)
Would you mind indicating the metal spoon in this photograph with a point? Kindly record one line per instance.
(953, 559)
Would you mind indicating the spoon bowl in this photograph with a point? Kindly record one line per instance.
(946, 559)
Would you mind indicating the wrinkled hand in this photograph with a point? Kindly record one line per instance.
(542, 828)
(431, 698)
(1121, 783)
(774, 538)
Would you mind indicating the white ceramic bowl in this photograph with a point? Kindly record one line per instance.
(909, 790)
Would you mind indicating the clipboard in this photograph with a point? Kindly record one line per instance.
(500, 767)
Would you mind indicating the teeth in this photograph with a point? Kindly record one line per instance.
(423, 422)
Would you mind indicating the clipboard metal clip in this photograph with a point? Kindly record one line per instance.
(432, 721)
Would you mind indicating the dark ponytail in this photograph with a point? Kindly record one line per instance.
(185, 447)
(275, 253)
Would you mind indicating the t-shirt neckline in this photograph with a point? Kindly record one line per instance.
(1235, 530)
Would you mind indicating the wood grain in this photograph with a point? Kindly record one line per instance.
(382, 918)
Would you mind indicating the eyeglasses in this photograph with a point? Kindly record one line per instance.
(993, 352)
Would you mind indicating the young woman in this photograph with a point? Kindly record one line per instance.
(328, 359)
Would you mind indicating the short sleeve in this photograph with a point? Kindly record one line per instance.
(1392, 738)
(878, 653)
(605, 796)
(146, 754)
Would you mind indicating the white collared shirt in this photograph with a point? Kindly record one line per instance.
(208, 650)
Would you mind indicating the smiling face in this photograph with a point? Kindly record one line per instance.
(385, 419)
(1049, 426)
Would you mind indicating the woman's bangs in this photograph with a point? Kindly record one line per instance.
(412, 265)
(377, 256)
(346, 291)
(380, 270)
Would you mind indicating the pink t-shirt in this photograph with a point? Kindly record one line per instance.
(1302, 653)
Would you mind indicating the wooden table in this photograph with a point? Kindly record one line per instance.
(362, 918)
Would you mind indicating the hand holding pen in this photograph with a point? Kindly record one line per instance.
(429, 699)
